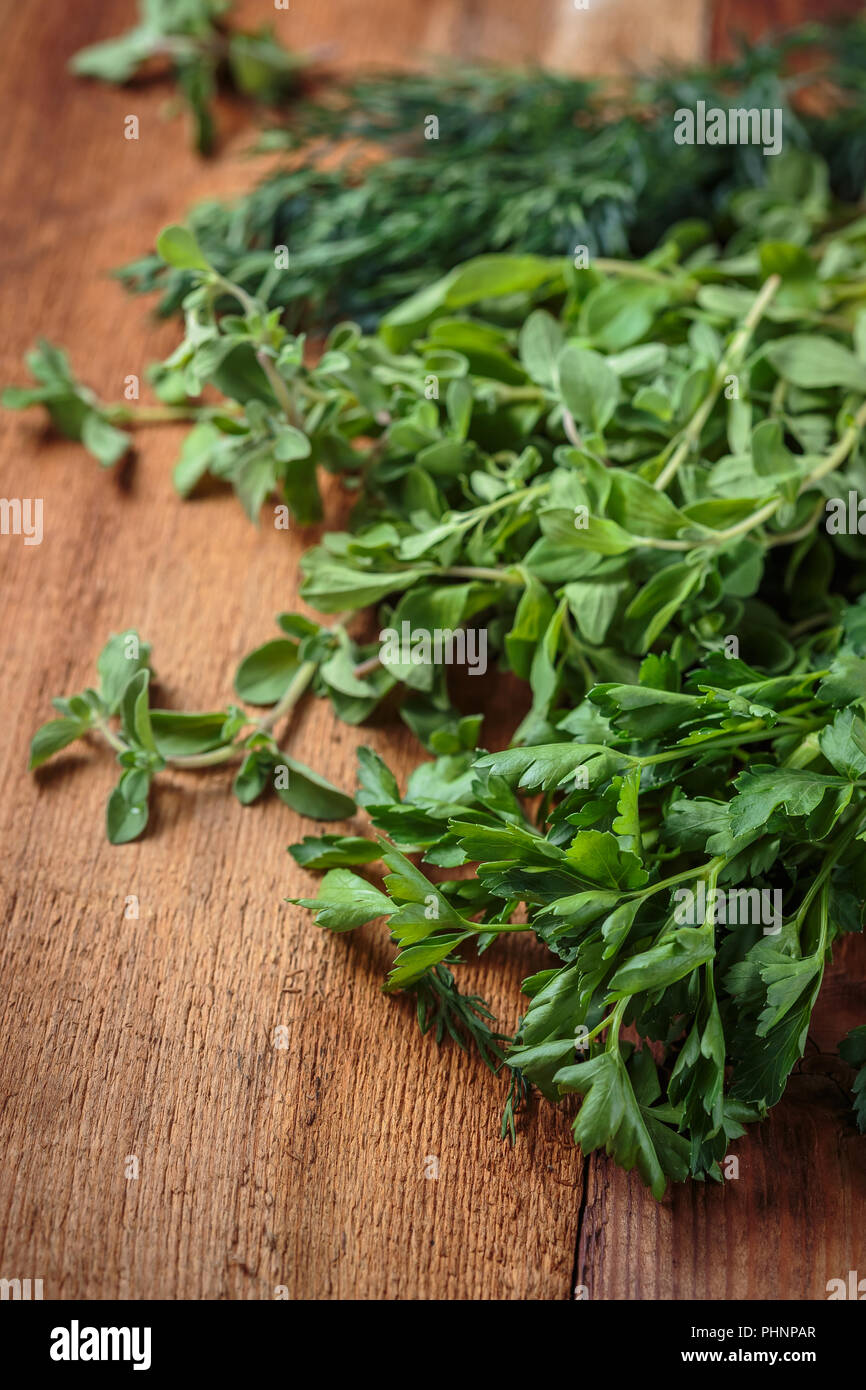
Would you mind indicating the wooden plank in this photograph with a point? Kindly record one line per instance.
(603, 36)
(735, 19)
(791, 1217)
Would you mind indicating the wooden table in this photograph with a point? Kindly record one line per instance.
(260, 1167)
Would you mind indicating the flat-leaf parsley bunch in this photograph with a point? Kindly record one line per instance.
(672, 807)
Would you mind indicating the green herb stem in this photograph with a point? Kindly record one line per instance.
(829, 863)
(837, 456)
(278, 386)
(615, 1020)
(636, 270)
(237, 748)
(293, 693)
(480, 572)
(153, 414)
(249, 305)
(691, 434)
(104, 728)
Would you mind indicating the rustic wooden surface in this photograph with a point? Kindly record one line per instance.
(730, 20)
(258, 1167)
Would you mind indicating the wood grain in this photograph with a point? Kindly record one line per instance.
(793, 1216)
(732, 20)
(260, 1167)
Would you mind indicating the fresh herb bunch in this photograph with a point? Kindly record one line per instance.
(524, 161)
(619, 468)
(670, 806)
(612, 456)
(193, 37)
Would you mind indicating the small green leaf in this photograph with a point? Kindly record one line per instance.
(196, 456)
(180, 735)
(334, 851)
(51, 737)
(311, 795)
(103, 440)
(127, 811)
(290, 444)
(178, 247)
(135, 712)
(590, 389)
(114, 60)
(264, 675)
(121, 659)
(814, 362)
(540, 344)
(345, 901)
(254, 775)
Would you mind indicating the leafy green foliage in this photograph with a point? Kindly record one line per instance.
(590, 464)
(548, 451)
(149, 739)
(620, 470)
(193, 37)
(525, 161)
(345, 901)
(743, 790)
(74, 409)
(334, 851)
(853, 1050)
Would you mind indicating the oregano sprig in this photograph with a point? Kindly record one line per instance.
(192, 36)
(147, 740)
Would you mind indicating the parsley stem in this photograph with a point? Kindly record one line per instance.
(599, 1027)
(685, 751)
(612, 1044)
(484, 927)
(829, 863)
(757, 736)
(712, 865)
(690, 436)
